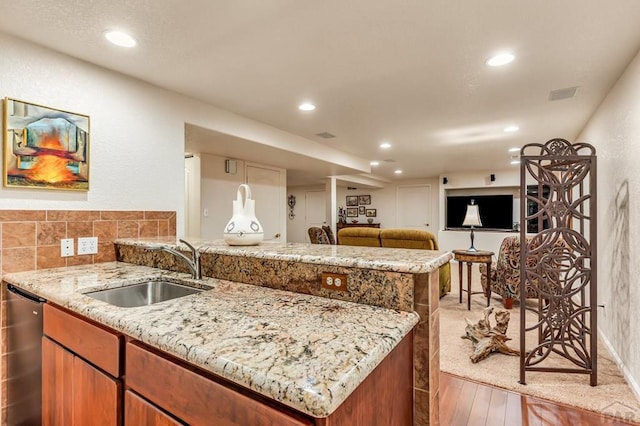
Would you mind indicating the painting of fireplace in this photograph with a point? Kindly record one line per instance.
(45, 148)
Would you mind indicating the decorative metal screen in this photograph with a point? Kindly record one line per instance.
(558, 264)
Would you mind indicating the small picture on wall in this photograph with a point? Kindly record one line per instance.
(361, 210)
(352, 212)
(371, 213)
(352, 200)
(364, 200)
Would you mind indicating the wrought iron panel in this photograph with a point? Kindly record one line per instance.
(559, 262)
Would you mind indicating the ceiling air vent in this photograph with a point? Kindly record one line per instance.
(325, 135)
(569, 92)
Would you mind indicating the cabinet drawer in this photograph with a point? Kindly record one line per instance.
(137, 412)
(96, 344)
(197, 399)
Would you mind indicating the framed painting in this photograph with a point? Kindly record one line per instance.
(372, 212)
(45, 148)
(364, 200)
(352, 200)
(361, 210)
(352, 212)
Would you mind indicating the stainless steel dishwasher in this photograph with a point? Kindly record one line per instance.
(24, 357)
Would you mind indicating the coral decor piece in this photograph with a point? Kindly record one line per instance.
(45, 148)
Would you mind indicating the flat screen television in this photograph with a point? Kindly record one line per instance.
(496, 211)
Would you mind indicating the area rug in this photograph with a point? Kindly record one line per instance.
(612, 395)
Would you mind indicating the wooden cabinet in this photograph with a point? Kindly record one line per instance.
(137, 412)
(339, 226)
(74, 390)
(196, 399)
(57, 384)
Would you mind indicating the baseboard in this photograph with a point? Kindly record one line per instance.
(635, 388)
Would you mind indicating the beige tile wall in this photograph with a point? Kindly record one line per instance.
(30, 239)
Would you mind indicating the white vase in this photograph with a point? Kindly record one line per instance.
(243, 229)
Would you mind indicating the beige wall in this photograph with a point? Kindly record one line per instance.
(614, 130)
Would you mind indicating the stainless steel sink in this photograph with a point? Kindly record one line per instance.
(146, 293)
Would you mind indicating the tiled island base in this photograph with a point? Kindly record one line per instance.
(408, 282)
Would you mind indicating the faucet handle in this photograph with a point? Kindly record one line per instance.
(191, 247)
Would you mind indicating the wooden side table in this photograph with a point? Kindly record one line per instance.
(471, 257)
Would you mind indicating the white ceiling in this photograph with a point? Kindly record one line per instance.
(410, 72)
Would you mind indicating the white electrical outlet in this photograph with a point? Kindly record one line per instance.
(66, 247)
(88, 245)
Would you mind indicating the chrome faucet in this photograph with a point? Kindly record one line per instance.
(193, 263)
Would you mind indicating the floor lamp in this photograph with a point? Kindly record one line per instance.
(472, 218)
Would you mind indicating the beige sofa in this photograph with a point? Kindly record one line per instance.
(397, 238)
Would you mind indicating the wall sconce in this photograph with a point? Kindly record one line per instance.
(445, 180)
(292, 203)
(492, 177)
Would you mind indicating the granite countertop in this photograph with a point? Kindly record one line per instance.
(379, 258)
(304, 351)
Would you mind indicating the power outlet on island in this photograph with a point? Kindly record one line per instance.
(336, 282)
(88, 245)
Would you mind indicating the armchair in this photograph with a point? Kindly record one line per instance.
(318, 236)
(505, 273)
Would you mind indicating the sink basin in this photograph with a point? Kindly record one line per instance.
(145, 293)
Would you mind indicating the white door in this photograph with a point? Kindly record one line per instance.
(268, 189)
(414, 206)
(314, 210)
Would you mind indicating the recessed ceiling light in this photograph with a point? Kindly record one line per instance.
(120, 39)
(515, 161)
(306, 106)
(385, 145)
(398, 172)
(514, 149)
(374, 163)
(500, 59)
(511, 129)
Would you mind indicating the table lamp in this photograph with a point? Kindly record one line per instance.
(472, 218)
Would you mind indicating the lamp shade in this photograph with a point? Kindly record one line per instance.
(472, 217)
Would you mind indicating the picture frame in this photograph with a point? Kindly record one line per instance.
(44, 147)
(372, 212)
(361, 211)
(364, 200)
(352, 212)
(352, 200)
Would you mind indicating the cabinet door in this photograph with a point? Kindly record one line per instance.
(96, 396)
(138, 412)
(57, 384)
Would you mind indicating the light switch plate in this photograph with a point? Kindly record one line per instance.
(66, 247)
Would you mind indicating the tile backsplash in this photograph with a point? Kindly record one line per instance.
(30, 239)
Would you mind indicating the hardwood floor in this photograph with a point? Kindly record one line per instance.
(468, 403)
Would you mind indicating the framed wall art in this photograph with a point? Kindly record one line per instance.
(352, 200)
(372, 212)
(364, 200)
(361, 210)
(45, 148)
(352, 212)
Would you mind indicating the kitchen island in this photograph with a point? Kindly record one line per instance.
(308, 353)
